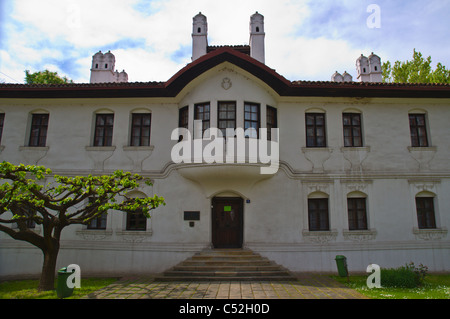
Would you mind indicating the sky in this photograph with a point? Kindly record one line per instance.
(151, 39)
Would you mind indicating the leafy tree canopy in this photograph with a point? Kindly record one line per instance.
(31, 195)
(45, 77)
(417, 70)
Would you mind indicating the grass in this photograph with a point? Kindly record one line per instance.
(434, 287)
(27, 289)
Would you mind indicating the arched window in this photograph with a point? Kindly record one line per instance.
(418, 129)
(136, 220)
(2, 122)
(357, 211)
(315, 129)
(140, 128)
(426, 218)
(104, 123)
(352, 126)
(38, 129)
(318, 218)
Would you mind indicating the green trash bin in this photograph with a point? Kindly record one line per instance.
(62, 290)
(341, 263)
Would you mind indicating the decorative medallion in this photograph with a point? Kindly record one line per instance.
(226, 83)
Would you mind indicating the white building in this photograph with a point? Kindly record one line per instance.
(363, 166)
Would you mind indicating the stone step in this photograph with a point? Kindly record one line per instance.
(222, 273)
(228, 278)
(226, 265)
(222, 267)
(225, 251)
(236, 263)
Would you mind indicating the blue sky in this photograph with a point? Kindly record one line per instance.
(305, 39)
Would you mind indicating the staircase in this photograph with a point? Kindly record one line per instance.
(227, 265)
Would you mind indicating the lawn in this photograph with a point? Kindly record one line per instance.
(434, 287)
(27, 289)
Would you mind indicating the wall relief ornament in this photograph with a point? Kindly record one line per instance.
(226, 83)
(319, 237)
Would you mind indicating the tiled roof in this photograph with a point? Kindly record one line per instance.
(218, 55)
(374, 84)
(241, 48)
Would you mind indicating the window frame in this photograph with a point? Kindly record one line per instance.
(426, 216)
(98, 222)
(416, 129)
(142, 127)
(314, 143)
(226, 120)
(356, 214)
(134, 220)
(350, 139)
(38, 129)
(201, 115)
(251, 121)
(2, 124)
(318, 216)
(183, 117)
(104, 139)
(271, 120)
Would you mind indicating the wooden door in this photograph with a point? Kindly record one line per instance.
(227, 222)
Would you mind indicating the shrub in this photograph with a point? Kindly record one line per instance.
(408, 276)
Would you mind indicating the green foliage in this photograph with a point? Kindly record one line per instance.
(408, 276)
(24, 189)
(45, 77)
(434, 287)
(418, 70)
(26, 289)
(30, 195)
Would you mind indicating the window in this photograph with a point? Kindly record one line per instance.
(272, 121)
(425, 212)
(103, 129)
(227, 116)
(183, 119)
(418, 130)
(357, 216)
(2, 121)
(28, 213)
(136, 220)
(352, 129)
(100, 221)
(251, 118)
(140, 129)
(315, 130)
(202, 113)
(318, 214)
(38, 133)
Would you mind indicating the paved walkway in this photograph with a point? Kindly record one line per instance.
(308, 286)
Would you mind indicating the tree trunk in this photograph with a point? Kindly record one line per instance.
(47, 281)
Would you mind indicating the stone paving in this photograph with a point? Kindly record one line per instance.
(308, 286)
